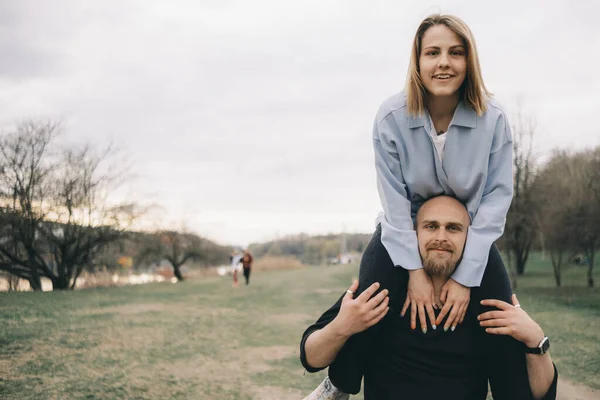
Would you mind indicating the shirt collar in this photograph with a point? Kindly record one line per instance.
(463, 116)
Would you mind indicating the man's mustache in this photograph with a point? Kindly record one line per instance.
(439, 245)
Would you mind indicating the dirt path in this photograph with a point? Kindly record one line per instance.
(568, 390)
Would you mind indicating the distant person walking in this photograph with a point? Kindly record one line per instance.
(247, 264)
(235, 259)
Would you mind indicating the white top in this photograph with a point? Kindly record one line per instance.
(438, 140)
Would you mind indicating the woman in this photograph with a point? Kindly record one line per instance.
(441, 135)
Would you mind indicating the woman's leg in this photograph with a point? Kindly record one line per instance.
(495, 283)
(346, 371)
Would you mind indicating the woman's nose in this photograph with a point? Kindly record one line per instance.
(443, 60)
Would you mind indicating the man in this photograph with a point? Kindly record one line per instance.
(247, 265)
(403, 363)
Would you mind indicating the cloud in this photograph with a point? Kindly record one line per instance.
(252, 118)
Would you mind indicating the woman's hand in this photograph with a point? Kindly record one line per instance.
(455, 297)
(420, 299)
(357, 315)
(511, 320)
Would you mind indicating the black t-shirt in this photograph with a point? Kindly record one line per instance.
(400, 363)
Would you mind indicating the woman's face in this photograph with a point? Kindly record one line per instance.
(443, 61)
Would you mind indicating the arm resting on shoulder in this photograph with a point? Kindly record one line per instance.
(489, 220)
(397, 230)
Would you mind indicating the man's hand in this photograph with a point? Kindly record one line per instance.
(357, 315)
(512, 321)
(420, 299)
(455, 297)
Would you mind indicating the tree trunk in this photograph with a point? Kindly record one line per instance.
(35, 283)
(13, 282)
(60, 283)
(177, 273)
(77, 273)
(520, 267)
(556, 266)
(590, 277)
(557, 275)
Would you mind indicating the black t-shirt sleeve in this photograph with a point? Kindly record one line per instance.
(325, 319)
(507, 371)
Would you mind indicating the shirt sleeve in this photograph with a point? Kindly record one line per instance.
(397, 230)
(489, 220)
(349, 362)
(507, 371)
(323, 320)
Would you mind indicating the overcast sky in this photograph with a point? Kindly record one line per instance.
(251, 119)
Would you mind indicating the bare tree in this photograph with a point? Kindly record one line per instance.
(585, 213)
(553, 184)
(24, 171)
(175, 247)
(56, 217)
(569, 201)
(521, 226)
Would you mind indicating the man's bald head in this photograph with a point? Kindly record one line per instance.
(442, 224)
(444, 203)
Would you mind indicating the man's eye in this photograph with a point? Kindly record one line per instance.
(430, 227)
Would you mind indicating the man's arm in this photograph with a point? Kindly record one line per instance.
(541, 373)
(322, 341)
(323, 345)
(510, 365)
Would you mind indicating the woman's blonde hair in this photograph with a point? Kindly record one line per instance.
(473, 91)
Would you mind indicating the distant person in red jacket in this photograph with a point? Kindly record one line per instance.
(247, 264)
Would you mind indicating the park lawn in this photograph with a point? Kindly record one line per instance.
(203, 339)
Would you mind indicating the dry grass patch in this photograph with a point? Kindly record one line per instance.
(267, 353)
(289, 319)
(270, 263)
(126, 309)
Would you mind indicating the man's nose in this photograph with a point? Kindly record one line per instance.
(441, 235)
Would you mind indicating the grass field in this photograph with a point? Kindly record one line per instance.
(203, 339)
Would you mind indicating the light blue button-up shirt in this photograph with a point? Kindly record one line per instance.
(476, 169)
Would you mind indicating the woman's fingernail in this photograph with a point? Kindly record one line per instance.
(453, 328)
(434, 327)
(445, 329)
(424, 330)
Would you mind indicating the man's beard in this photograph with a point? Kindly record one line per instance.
(443, 267)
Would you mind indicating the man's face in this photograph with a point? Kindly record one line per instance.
(442, 224)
